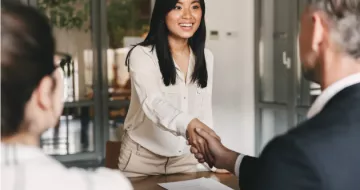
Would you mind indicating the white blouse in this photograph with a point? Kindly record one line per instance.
(27, 167)
(159, 115)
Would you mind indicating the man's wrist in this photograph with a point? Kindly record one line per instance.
(230, 161)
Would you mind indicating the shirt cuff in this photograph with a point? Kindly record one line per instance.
(237, 165)
(182, 123)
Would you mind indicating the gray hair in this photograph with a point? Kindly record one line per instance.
(344, 19)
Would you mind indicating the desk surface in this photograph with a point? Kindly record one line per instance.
(151, 182)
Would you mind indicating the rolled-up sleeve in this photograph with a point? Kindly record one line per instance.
(145, 78)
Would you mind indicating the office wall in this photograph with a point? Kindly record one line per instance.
(233, 48)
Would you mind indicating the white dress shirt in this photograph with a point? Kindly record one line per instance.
(319, 103)
(28, 168)
(330, 92)
(159, 115)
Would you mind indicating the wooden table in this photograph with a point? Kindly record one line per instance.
(151, 182)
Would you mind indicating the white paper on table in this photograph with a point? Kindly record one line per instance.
(196, 184)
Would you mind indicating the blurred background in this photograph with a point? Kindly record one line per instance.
(256, 55)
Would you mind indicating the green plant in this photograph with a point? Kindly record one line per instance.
(124, 19)
(67, 14)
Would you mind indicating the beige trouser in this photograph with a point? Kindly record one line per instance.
(136, 161)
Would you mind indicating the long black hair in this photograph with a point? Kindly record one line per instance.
(158, 38)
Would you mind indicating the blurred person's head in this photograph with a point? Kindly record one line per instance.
(178, 20)
(330, 40)
(31, 84)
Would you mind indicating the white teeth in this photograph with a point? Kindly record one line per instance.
(186, 25)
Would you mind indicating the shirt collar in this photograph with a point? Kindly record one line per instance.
(190, 67)
(330, 92)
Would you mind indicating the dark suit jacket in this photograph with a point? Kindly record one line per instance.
(322, 153)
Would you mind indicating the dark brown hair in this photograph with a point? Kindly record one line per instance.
(27, 56)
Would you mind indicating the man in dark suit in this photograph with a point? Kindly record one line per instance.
(323, 152)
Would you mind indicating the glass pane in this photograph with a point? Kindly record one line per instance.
(273, 123)
(301, 118)
(274, 42)
(71, 24)
(73, 134)
(117, 113)
(128, 24)
(307, 92)
(72, 31)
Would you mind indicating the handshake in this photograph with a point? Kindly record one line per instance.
(207, 147)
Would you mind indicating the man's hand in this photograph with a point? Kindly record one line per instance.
(223, 157)
(198, 142)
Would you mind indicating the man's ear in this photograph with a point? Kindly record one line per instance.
(43, 93)
(318, 30)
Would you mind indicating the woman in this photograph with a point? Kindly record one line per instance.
(31, 103)
(171, 75)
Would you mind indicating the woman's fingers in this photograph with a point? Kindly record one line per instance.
(204, 150)
(199, 156)
(199, 147)
(193, 150)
